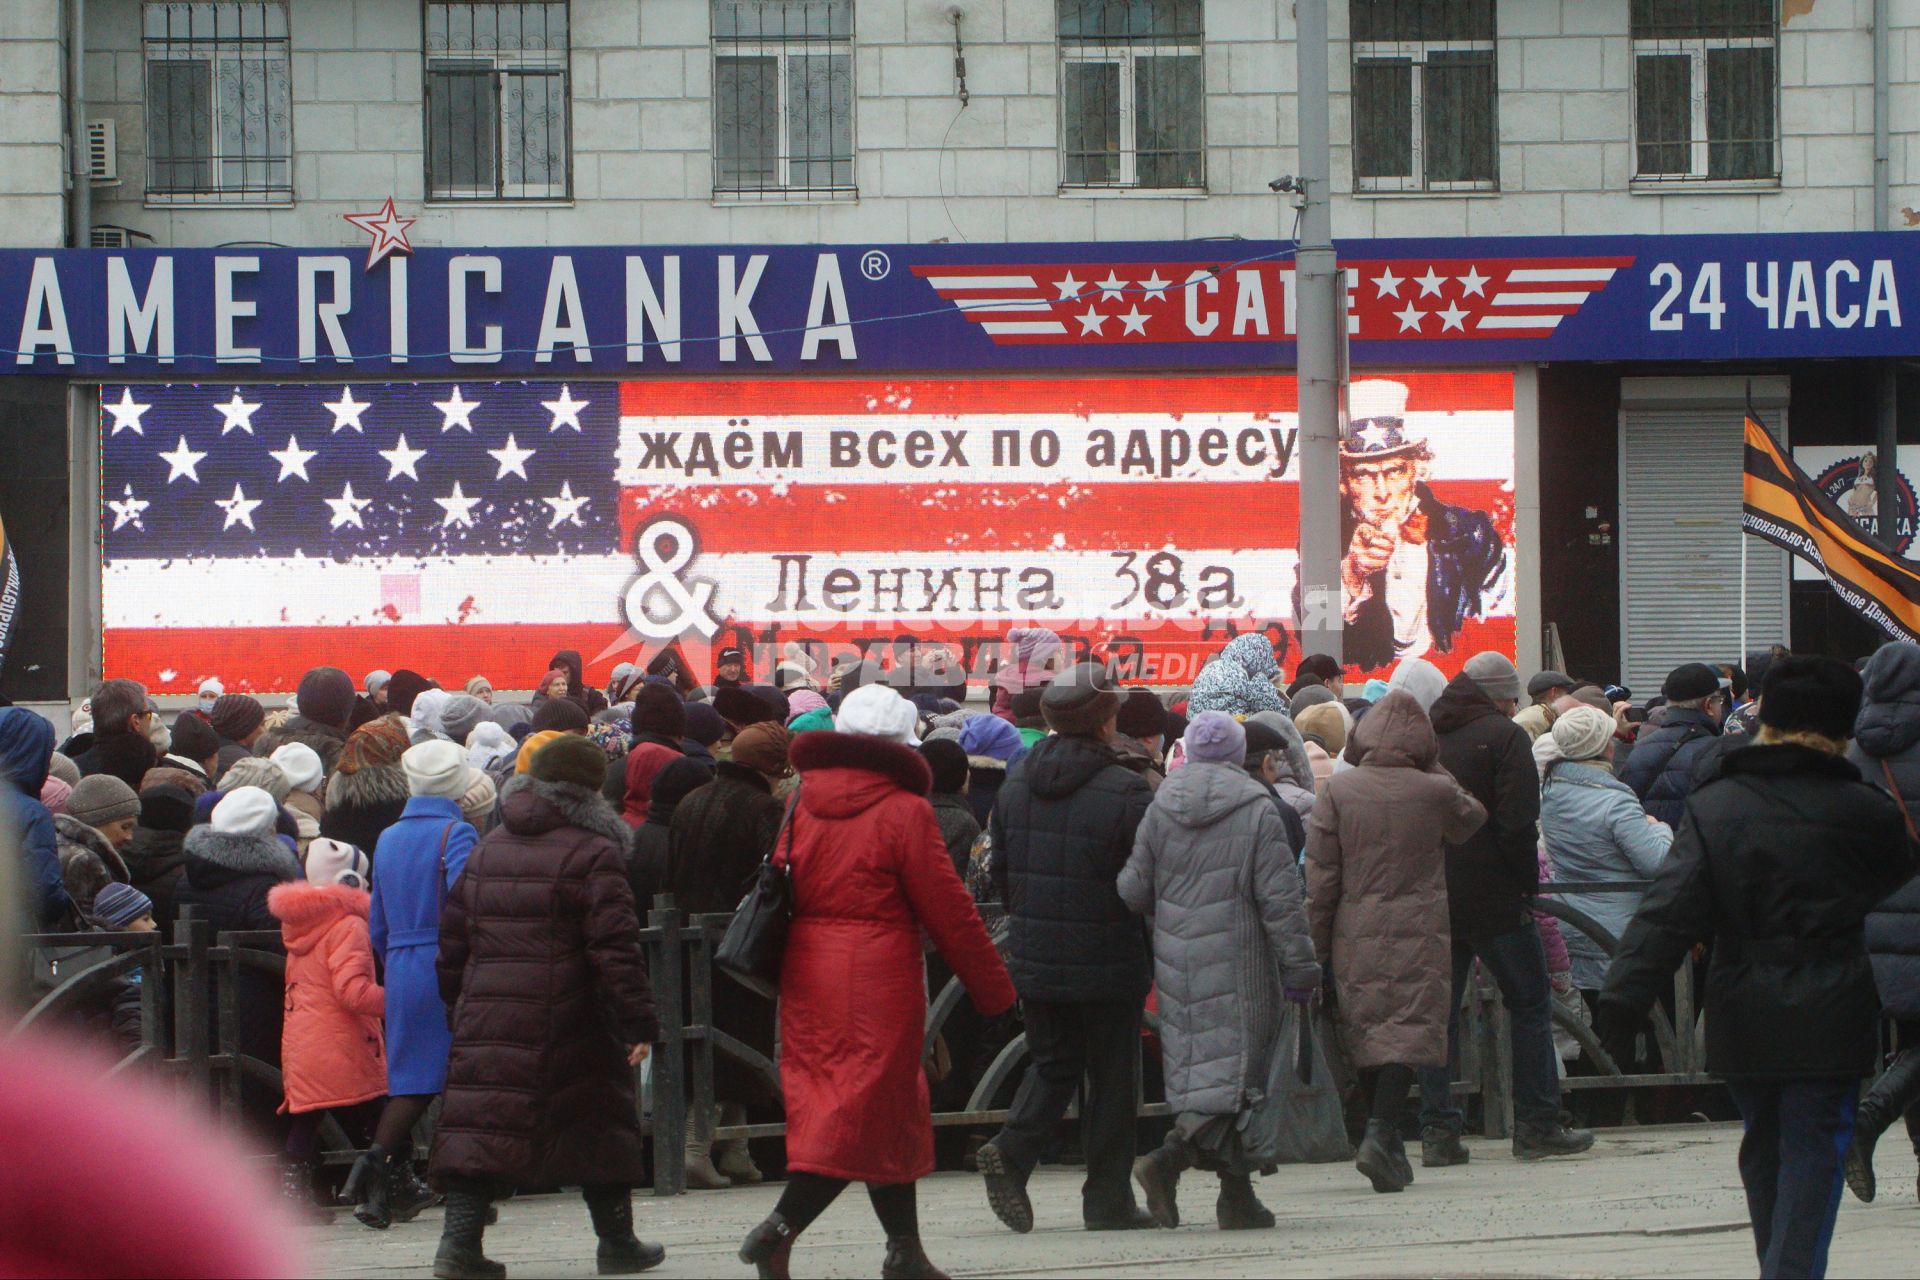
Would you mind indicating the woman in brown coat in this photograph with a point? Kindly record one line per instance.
(1377, 898)
(540, 963)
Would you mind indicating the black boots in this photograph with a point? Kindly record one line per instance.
(1533, 1142)
(1383, 1158)
(768, 1248)
(459, 1257)
(1238, 1209)
(296, 1190)
(1896, 1089)
(906, 1260)
(1441, 1148)
(621, 1253)
(1158, 1173)
(394, 1193)
(1006, 1189)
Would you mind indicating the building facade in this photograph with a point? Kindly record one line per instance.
(858, 123)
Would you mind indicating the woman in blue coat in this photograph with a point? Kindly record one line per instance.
(416, 863)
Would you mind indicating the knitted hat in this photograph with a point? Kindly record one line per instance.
(375, 743)
(326, 696)
(563, 714)
(236, 715)
(333, 861)
(569, 758)
(1545, 680)
(704, 724)
(246, 811)
(63, 768)
(801, 701)
(1325, 723)
(509, 714)
(119, 905)
(1215, 736)
(1693, 680)
(1080, 699)
(403, 688)
(166, 808)
(166, 775)
(1310, 696)
(376, 681)
(461, 713)
(763, 748)
(676, 780)
(1496, 675)
(990, 737)
(102, 798)
(301, 764)
(1142, 715)
(257, 771)
(523, 763)
(437, 768)
(738, 707)
(876, 711)
(478, 685)
(1582, 732)
(1374, 690)
(489, 744)
(949, 764)
(817, 720)
(193, 738)
(54, 794)
(658, 709)
(1801, 694)
(775, 701)
(211, 686)
(477, 799)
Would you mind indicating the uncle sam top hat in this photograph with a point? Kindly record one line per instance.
(1376, 421)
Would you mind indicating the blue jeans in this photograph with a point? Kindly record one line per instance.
(1519, 968)
(1791, 1161)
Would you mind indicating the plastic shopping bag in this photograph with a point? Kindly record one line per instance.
(1299, 1119)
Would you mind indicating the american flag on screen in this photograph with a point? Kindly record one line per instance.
(254, 531)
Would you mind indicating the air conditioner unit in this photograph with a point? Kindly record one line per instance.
(104, 237)
(103, 159)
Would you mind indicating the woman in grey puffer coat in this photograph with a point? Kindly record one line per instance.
(1597, 831)
(1211, 863)
(1886, 742)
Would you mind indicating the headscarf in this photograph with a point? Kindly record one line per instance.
(427, 706)
(1240, 680)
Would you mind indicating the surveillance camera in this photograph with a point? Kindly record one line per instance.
(1285, 182)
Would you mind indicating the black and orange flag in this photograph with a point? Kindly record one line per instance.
(1787, 509)
(9, 593)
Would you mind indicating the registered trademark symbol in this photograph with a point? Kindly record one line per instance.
(874, 264)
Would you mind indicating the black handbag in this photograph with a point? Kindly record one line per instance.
(755, 943)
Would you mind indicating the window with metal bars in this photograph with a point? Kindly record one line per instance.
(1705, 91)
(1133, 104)
(498, 95)
(783, 99)
(1425, 95)
(219, 102)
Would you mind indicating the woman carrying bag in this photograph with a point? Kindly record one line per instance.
(867, 872)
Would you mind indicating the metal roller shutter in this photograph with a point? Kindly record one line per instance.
(1680, 544)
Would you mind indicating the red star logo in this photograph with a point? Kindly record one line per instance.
(388, 229)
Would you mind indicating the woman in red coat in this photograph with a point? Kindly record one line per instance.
(869, 872)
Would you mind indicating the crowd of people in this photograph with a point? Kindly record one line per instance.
(460, 881)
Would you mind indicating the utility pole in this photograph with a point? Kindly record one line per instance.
(1887, 393)
(1320, 322)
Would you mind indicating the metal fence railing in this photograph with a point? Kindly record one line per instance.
(190, 1005)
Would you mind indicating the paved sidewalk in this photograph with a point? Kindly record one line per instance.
(1646, 1202)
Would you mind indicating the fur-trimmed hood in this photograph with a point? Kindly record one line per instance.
(367, 787)
(306, 911)
(843, 774)
(87, 862)
(531, 807)
(238, 855)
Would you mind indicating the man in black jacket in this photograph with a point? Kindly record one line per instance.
(1062, 829)
(122, 721)
(1491, 883)
(1661, 769)
(1778, 863)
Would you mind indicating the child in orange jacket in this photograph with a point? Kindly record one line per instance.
(332, 1047)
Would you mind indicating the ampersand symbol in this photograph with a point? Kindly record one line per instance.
(688, 601)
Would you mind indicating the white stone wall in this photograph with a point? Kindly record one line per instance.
(33, 157)
(642, 132)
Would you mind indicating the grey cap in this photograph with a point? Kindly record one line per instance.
(1080, 699)
(1545, 680)
(1496, 675)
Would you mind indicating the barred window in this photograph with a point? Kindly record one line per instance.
(1425, 95)
(219, 102)
(498, 90)
(1132, 94)
(783, 99)
(1705, 88)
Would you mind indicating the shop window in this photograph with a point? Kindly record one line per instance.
(1132, 94)
(219, 102)
(783, 99)
(1705, 89)
(1425, 96)
(498, 93)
